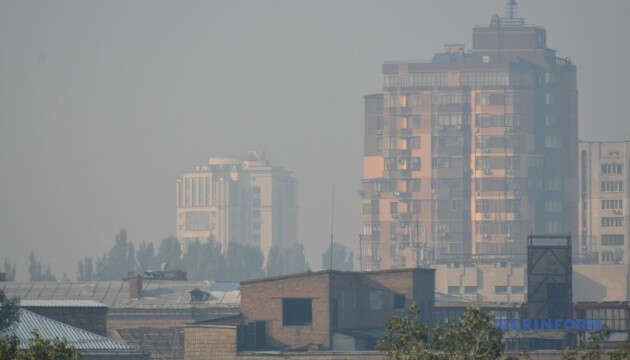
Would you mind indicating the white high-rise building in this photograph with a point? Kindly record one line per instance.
(237, 199)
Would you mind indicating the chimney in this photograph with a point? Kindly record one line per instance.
(135, 285)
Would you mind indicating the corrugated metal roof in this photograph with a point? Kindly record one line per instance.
(115, 294)
(51, 329)
(61, 303)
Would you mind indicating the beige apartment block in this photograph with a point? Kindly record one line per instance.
(467, 154)
(603, 225)
(237, 199)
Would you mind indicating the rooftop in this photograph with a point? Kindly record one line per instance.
(50, 329)
(62, 303)
(115, 294)
(334, 272)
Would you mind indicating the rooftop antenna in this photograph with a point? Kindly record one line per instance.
(511, 6)
(332, 224)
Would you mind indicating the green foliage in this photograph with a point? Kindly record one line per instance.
(9, 311)
(474, 337)
(591, 349)
(37, 349)
(204, 261)
(342, 259)
(407, 338)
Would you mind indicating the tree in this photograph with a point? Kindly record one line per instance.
(473, 337)
(146, 257)
(275, 262)
(204, 261)
(38, 348)
(289, 260)
(342, 260)
(170, 252)
(35, 270)
(406, 338)
(9, 311)
(9, 270)
(243, 262)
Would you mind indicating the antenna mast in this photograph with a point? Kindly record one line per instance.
(332, 224)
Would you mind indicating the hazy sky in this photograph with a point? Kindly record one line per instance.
(104, 103)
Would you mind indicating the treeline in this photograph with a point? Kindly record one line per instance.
(202, 260)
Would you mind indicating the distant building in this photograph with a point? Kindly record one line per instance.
(467, 154)
(342, 312)
(604, 231)
(91, 346)
(238, 199)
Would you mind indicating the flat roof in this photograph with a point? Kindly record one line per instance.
(334, 272)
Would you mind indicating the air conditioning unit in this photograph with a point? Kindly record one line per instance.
(396, 193)
(486, 216)
(478, 193)
(487, 150)
(487, 172)
(477, 130)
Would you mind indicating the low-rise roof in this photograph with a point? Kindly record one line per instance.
(62, 303)
(115, 294)
(50, 329)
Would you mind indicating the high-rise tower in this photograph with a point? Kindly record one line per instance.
(238, 199)
(469, 153)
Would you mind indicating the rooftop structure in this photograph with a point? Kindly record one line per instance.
(89, 344)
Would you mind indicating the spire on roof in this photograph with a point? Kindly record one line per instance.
(511, 8)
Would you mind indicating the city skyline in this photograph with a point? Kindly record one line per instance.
(92, 113)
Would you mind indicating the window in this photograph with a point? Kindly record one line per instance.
(612, 240)
(399, 301)
(416, 163)
(415, 142)
(393, 208)
(553, 226)
(550, 120)
(453, 290)
(494, 99)
(376, 300)
(553, 142)
(500, 289)
(470, 289)
(393, 231)
(553, 205)
(612, 169)
(518, 289)
(297, 312)
(612, 204)
(612, 221)
(612, 186)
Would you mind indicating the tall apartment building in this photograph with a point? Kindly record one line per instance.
(604, 181)
(237, 199)
(467, 154)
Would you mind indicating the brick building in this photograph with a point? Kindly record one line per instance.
(333, 312)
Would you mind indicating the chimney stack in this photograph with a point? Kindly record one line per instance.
(135, 285)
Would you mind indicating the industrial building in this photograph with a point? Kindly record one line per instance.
(467, 154)
(147, 313)
(241, 199)
(323, 311)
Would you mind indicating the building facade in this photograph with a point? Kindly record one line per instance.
(237, 199)
(467, 154)
(603, 225)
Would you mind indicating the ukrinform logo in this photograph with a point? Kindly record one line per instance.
(548, 324)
